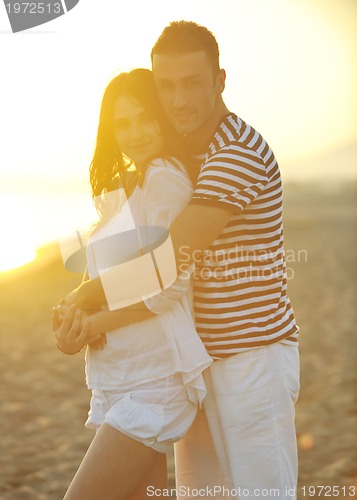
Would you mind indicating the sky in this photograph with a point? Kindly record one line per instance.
(291, 73)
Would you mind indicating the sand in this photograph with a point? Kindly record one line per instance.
(45, 401)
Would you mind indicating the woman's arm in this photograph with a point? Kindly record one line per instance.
(105, 321)
(90, 296)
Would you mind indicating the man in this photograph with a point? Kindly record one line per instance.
(243, 314)
(232, 232)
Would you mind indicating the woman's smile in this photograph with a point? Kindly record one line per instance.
(136, 132)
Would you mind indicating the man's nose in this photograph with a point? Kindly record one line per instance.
(179, 98)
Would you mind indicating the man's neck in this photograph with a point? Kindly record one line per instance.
(200, 138)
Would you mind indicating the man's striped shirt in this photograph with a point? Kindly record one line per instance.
(240, 294)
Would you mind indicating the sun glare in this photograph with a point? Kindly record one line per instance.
(17, 247)
(10, 260)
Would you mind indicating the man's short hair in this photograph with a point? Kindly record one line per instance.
(183, 37)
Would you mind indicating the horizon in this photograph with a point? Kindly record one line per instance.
(50, 251)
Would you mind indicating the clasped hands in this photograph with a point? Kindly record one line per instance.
(71, 323)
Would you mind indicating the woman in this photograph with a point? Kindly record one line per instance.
(146, 382)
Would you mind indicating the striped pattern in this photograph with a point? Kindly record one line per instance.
(240, 284)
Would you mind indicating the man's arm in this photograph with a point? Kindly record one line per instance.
(195, 229)
(192, 232)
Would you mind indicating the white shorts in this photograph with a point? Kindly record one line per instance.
(156, 414)
(247, 444)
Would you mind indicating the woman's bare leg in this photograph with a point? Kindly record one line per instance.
(157, 479)
(113, 467)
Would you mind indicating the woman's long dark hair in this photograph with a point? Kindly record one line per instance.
(109, 167)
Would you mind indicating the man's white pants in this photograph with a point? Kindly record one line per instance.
(247, 444)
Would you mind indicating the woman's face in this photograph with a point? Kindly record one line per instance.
(136, 133)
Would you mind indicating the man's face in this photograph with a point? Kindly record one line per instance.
(187, 89)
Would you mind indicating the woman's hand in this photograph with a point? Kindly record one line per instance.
(70, 332)
(88, 296)
(92, 335)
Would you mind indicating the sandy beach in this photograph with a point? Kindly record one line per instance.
(45, 400)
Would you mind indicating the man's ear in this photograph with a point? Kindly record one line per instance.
(221, 80)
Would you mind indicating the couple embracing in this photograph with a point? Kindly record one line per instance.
(211, 363)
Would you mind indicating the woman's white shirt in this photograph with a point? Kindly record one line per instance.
(167, 343)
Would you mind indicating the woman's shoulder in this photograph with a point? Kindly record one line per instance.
(170, 165)
(166, 170)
